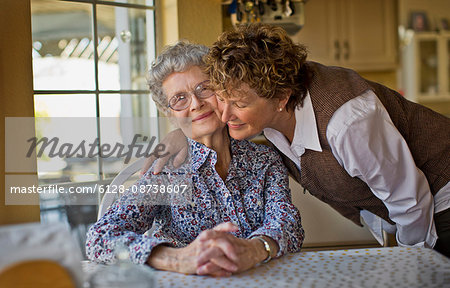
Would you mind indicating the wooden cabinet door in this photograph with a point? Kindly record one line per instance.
(320, 32)
(358, 34)
(368, 34)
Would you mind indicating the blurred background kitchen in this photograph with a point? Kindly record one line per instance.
(88, 58)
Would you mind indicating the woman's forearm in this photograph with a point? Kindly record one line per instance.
(163, 258)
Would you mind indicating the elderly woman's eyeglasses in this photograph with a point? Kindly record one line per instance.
(182, 100)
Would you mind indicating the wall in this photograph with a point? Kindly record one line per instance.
(324, 226)
(16, 90)
(386, 78)
(166, 22)
(199, 21)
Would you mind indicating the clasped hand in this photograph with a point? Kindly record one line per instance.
(216, 252)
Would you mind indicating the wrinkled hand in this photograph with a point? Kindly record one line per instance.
(224, 251)
(190, 262)
(185, 260)
(175, 146)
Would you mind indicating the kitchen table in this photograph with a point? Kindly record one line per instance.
(374, 267)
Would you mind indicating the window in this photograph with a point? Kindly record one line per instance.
(90, 59)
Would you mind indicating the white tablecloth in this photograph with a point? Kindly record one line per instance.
(376, 267)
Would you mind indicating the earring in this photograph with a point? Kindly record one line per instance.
(281, 109)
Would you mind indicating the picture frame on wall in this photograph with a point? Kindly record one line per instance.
(419, 21)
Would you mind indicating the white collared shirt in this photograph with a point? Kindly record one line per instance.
(305, 134)
(367, 144)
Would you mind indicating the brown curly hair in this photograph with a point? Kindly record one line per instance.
(264, 57)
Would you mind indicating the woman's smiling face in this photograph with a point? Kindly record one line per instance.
(245, 113)
(202, 112)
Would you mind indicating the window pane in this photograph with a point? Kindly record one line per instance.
(124, 117)
(123, 47)
(72, 105)
(429, 67)
(127, 105)
(62, 45)
(71, 119)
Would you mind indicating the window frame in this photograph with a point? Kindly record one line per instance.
(97, 92)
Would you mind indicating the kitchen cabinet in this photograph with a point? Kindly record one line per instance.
(352, 33)
(426, 67)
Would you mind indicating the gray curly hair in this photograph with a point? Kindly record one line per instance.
(175, 58)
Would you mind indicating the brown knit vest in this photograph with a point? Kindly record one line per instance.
(426, 132)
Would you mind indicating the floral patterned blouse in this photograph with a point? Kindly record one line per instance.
(255, 196)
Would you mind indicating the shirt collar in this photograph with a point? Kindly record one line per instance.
(306, 135)
(199, 153)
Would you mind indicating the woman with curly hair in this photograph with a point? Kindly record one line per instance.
(354, 144)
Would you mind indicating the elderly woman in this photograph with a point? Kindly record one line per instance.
(254, 196)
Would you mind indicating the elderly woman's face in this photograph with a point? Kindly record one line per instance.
(202, 112)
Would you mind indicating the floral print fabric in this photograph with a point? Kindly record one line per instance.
(255, 196)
